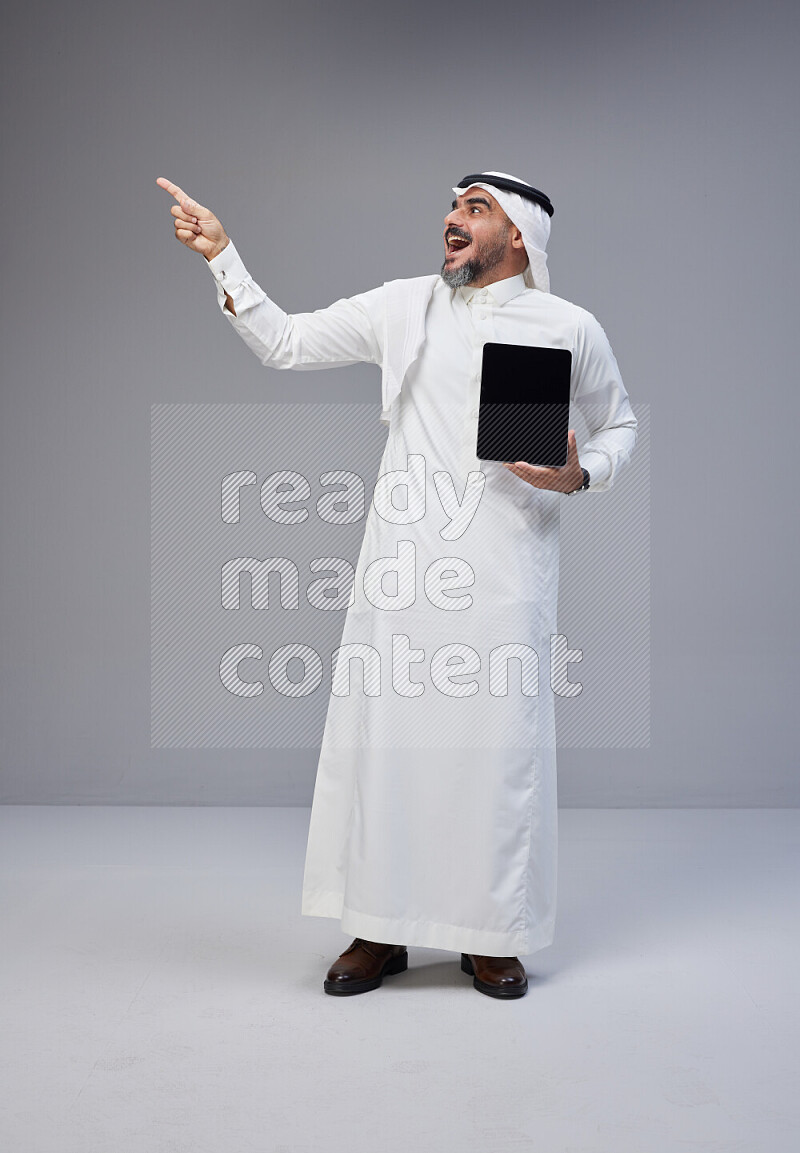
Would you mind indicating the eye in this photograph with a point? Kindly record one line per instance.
(475, 208)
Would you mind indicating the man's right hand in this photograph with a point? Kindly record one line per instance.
(195, 226)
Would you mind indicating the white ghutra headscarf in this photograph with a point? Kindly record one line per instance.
(530, 218)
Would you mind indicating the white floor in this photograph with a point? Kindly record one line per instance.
(161, 992)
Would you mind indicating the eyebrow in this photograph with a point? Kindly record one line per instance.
(475, 200)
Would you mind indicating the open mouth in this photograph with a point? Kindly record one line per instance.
(456, 241)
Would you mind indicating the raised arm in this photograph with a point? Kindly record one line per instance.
(348, 332)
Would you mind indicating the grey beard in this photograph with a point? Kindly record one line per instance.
(480, 264)
(454, 278)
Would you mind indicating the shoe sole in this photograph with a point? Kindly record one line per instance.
(492, 990)
(392, 966)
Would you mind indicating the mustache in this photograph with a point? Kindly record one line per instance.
(458, 233)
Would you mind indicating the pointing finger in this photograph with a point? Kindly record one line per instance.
(189, 206)
(173, 189)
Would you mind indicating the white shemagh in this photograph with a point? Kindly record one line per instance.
(407, 300)
(532, 221)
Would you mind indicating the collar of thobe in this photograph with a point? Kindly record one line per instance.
(405, 305)
(501, 291)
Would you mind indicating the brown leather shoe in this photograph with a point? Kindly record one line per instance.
(496, 976)
(363, 965)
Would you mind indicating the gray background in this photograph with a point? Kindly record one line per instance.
(326, 137)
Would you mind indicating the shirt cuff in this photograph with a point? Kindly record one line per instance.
(234, 280)
(598, 467)
(227, 267)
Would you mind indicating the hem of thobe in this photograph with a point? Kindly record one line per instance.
(428, 934)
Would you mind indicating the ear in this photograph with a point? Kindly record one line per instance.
(516, 238)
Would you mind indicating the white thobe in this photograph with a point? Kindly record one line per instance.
(434, 817)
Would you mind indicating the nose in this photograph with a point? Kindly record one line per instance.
(453, 217)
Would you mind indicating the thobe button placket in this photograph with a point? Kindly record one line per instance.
(468, 460)
(483, 321)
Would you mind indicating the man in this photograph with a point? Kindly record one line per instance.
(434, 818)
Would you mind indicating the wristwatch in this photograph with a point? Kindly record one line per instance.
(583, 486)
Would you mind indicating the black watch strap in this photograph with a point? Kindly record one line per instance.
(583, 486)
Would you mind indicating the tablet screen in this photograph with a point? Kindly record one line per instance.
(524, 406)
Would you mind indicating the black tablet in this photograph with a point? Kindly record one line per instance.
(524, 406)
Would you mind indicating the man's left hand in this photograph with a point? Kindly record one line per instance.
(565, 478)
